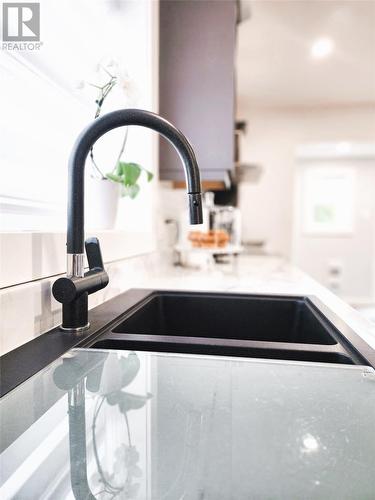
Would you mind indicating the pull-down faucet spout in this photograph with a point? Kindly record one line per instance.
(73, 290)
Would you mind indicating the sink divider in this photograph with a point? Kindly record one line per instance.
(244, 348)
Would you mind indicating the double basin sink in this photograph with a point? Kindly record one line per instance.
(255, 326)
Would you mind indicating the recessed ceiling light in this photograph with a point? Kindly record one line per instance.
(322, 47)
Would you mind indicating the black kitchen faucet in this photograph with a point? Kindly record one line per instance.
(73, 290)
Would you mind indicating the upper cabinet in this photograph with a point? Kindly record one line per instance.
(197, 50)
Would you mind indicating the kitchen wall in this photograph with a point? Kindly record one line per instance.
(29, 309)
(337, 248)
(32, 238)
(51, 98)
(270, 143)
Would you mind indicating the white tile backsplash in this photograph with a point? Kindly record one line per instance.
(29, 309)
(27, 256)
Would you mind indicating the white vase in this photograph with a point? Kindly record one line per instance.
(102, 197)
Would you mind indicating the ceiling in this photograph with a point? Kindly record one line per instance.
(274, 64)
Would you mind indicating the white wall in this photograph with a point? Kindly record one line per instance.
(46, 109)
(33, 257)
(270, 141)
(342, 258)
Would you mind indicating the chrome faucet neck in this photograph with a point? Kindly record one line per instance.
(75, 265)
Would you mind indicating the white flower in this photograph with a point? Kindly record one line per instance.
(109, 74)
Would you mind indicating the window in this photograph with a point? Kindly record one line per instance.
(43, 110)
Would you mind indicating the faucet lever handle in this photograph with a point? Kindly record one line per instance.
(94, 255)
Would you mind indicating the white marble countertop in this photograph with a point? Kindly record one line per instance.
(258, 274)
(248, 274)
(326, 414)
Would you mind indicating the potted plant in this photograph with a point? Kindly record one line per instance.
(105, 187)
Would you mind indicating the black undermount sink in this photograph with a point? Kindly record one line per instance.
(256, 326)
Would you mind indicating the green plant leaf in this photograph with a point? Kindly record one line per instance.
(131, 191)
(131, 173)
(115, 178)
(128, 174)
(149, 174)
(119, 169)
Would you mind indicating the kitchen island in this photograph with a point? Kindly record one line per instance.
(122, 424)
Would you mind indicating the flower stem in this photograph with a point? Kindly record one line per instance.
(128, 429)
(122, 148)
(103, 93)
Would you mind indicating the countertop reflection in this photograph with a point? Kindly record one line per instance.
(121, 424)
